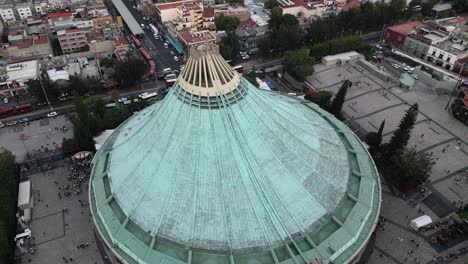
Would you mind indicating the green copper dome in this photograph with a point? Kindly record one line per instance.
(233, 175)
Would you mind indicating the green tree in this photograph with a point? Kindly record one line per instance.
(270, 4)
(8, 196)
(374, 139)
(229, 47)
(56, 48)
(461, 6)
(251, 76)
(68, 146)
(226, 23)
(410, 168)
(298, 64)
(402, 135)
(79, 85)
(114, 117)
(337, 103)
(96, 105)
(82, 124)
(129, 71)
(321, 98)
(320, 50)
(51, 88)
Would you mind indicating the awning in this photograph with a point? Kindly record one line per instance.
(176, 45)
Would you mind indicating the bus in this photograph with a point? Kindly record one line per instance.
(152, 70)
(6, 112)
(24, 108)
(239, 68)
(136, 40)
(145, 96)
(155, 30)
(170, 80)
(145, 54)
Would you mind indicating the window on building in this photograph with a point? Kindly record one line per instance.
(448, 58)
(441, 56)
(433, 53)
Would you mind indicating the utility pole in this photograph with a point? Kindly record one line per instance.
(45, 94)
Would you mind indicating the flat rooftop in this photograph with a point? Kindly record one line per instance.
(22, 70)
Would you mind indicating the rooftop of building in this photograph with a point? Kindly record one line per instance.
(233, 174)
(208, 11)
(347, 6)
(172, 5)
(26, 43)
(442, 7)
(452, 47)
(405, 28)
(190, 38)
(120, 41)
(60, 14)
(22, 71)
(299, 3)
(16, 32)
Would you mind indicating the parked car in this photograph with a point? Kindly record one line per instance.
(396, 66)
(415, 76)
(123, 99)
(176, 58)
(11, 123)
(52, 114)
(2, 125)
(24, 120)
(245, 57)
(5, 100)
(166, 45)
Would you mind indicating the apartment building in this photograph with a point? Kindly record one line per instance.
(73, 40)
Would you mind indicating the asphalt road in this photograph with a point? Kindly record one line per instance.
(69, 107)
(161, 56)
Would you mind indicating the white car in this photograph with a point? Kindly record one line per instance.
(123, 99)
(407, 68)
(396, 66)
(245, 57)
(52, 114)
(176, 58)
(415, 76)
(166, 45)
(5, 100)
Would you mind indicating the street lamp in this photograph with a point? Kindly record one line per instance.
(45, 94)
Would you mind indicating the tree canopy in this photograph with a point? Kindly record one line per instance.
(337, 103)
(82, 125)
(298, 63)
(410, 168)
(51, 88)
(8, 196)
(229, 47)
(270, 4)
(129, 71)
(226, 23)
(251, 76)
(402, 135)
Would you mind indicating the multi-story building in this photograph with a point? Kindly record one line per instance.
(396, 35)
(7, 14)
(305, 11)
(190, 15)
(24, 12)
(169, 11)
(73, 40)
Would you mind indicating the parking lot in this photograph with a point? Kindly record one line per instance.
(369, 101)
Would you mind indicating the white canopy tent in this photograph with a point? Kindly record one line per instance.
(24, 195)
(420, 222)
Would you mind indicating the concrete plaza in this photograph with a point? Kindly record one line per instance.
(369, 101)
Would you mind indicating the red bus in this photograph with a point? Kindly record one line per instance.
(6, 112)
(239, 68)
(24, 108)
(145, 54)
(152, 70)
(170, 82)
(136, 40)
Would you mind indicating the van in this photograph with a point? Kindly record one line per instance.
(167, 70)
(254, 51)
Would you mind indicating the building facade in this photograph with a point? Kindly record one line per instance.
(72, 40)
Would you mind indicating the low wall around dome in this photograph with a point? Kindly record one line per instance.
(340, 238)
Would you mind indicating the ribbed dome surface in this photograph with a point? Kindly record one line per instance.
(238, 176)
(245, 176)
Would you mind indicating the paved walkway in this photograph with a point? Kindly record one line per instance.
(370, 101)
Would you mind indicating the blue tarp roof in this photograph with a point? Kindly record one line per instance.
(176, 45)
(270, 85)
